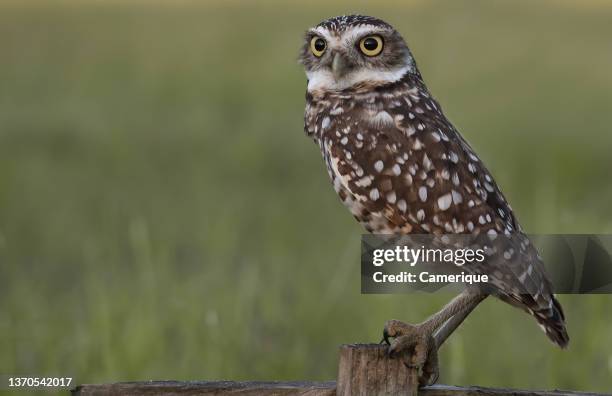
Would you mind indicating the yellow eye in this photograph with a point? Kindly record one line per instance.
(317, 46)
(371, 45)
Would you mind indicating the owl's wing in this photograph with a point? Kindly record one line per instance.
(408, 164)
(410, 171)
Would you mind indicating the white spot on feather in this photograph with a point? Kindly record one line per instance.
(423, 194)
(457, 197)
(382, 119)
(364, 182)
(456, 179)
(325, 123)
(444, 201)
(427, 164)
(492, 234)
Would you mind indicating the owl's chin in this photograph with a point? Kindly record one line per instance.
(324, 80)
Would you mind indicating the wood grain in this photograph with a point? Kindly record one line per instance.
(363, 370)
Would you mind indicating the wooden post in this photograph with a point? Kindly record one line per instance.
(365, 369)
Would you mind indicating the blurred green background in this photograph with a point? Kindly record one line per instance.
(163, 216)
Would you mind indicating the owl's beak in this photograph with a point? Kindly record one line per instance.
(339, 66)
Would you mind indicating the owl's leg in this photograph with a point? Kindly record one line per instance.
(423, 340)
(451, 324)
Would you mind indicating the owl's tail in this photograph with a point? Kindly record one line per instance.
(546, 310)
(552, 321)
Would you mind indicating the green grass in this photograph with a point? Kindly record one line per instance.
(163, 216)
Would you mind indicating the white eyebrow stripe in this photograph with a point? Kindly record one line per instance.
(321, 31)
(361, 31)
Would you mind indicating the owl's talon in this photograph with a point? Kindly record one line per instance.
(416, 345)
(385, 338)
(411, 366)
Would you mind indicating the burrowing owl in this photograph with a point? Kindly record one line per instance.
(401, 167)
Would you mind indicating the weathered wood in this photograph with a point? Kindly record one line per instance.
(251, 388)
(300, 388)
(365, 369)
(445, 390)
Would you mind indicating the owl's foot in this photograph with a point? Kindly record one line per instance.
(419, 344)
(416, 344)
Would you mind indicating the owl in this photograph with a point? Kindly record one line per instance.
(401, 167)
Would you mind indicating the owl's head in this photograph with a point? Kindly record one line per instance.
(353, 51)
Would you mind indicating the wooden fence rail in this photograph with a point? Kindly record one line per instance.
(364, 369)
